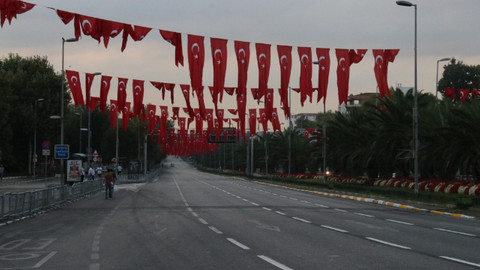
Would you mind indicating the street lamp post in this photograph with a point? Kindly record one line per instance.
(61, 104)
(415, 101)
(35, 138)
(324, 137)
(436, 82)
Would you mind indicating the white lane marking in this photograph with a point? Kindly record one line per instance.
(45, 259)
(256, 204)
(238, 244)
(460, 261)
(295, 199)
(456, 232)
(202, 221)
(194, 214)
(321, 205)
(273, 262)
(266, 208)
(215, 230)
(190, 209)
(245, 200)
(94, 266)
(306, 201)
(340, 210)
(280, 213)
(301, 219)
(334, 229)
(387, 243)
(363, 215)
(400, 222)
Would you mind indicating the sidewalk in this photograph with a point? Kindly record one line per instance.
(25, 184)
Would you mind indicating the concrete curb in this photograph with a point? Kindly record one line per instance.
(374, 201)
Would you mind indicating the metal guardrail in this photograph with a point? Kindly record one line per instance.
(13, 205)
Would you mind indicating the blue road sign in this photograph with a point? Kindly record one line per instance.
(62, 151)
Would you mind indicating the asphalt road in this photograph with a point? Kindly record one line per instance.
(187, 219)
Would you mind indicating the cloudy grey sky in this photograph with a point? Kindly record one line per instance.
(446, 28)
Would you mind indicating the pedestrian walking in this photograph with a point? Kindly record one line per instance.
(91, 173)
(110, 179)
(82, 173)
(2, 171)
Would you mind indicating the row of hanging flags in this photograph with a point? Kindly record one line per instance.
(101, 29)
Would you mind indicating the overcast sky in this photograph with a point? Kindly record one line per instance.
(446, 28)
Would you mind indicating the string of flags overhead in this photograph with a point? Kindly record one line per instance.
(104, 30)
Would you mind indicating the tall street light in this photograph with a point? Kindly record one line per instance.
(35, 138)
(324, 137)
(415, 100)
(61, 103)
(436, 82)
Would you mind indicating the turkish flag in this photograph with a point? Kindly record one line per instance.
(257, 94)
(219, 58)
(93, 103)
(88, 85)
(175, 39)
(198, 122)
(104, 88)
(305, 55)
(160, 86)
(196, 60)
(73, 79)
(263, 119)
(110, 29)
(113, 113)
(263, 61)
(125, 115)
(170, 87)
(175, 111)
(233, 111)
(268, 101)
(449, 92)
(463, 94)
(285, 59)
(323, 56)
(163, 120)
(275, 121)
(345, 58)
(89, 26)
(475, 92)
(151, 108)
(229, 90)
(186, 95)
(138, 92)
(252, 121)
(136, 32)
(122, 92)
(10, 8)
(210, 120)
(382, 57)
(242, 51)
(201, 101)
(308, 132)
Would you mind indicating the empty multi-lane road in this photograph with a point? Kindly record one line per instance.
(187, 219)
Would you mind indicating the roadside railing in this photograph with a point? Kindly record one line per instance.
(14, 205)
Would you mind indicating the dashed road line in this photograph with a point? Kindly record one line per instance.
(460, 261)
(273, 262)
(387, 243)
(455, 232)
(302, 220)
(238, 244)
(334, 229)
(400, 222)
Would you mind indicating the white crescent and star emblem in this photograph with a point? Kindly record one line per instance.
(305, 62)
(195, 45)
(379, 63)
(264, 56)
(113, 106)
(87, 26)
(244, 55)
(105, 83)
(320, 60)
(121, 85)
(340, 63)
(284, 61)
(74, 80)
(218, 58)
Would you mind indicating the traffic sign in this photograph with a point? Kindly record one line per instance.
(62, 151)
(46, 145)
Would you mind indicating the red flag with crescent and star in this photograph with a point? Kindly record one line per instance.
(275, 121)
(175, 111)
(186, 94)
(268, 102)
(305, 55)
(198, 122)
(122, 92)
(160, 86)
(323, 57)
(263, 61)
(463, 94)
(196, 60)
(151, 108)
(345, 58)
(125, 115)
(88, 85)
(104, 88)
(242, 51)
(449, 92)
(73, 79)
(110, 29)
(175, 39)
(263, 119)
(285, 59)
(382, 58)
(93, 103)
(10, 9)
(138, 92)
(252, 121)
(113, 113)
(219, 58)
(170, 87)
(137, 33)
(163, 120)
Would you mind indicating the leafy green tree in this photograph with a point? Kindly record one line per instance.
(458, 75)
